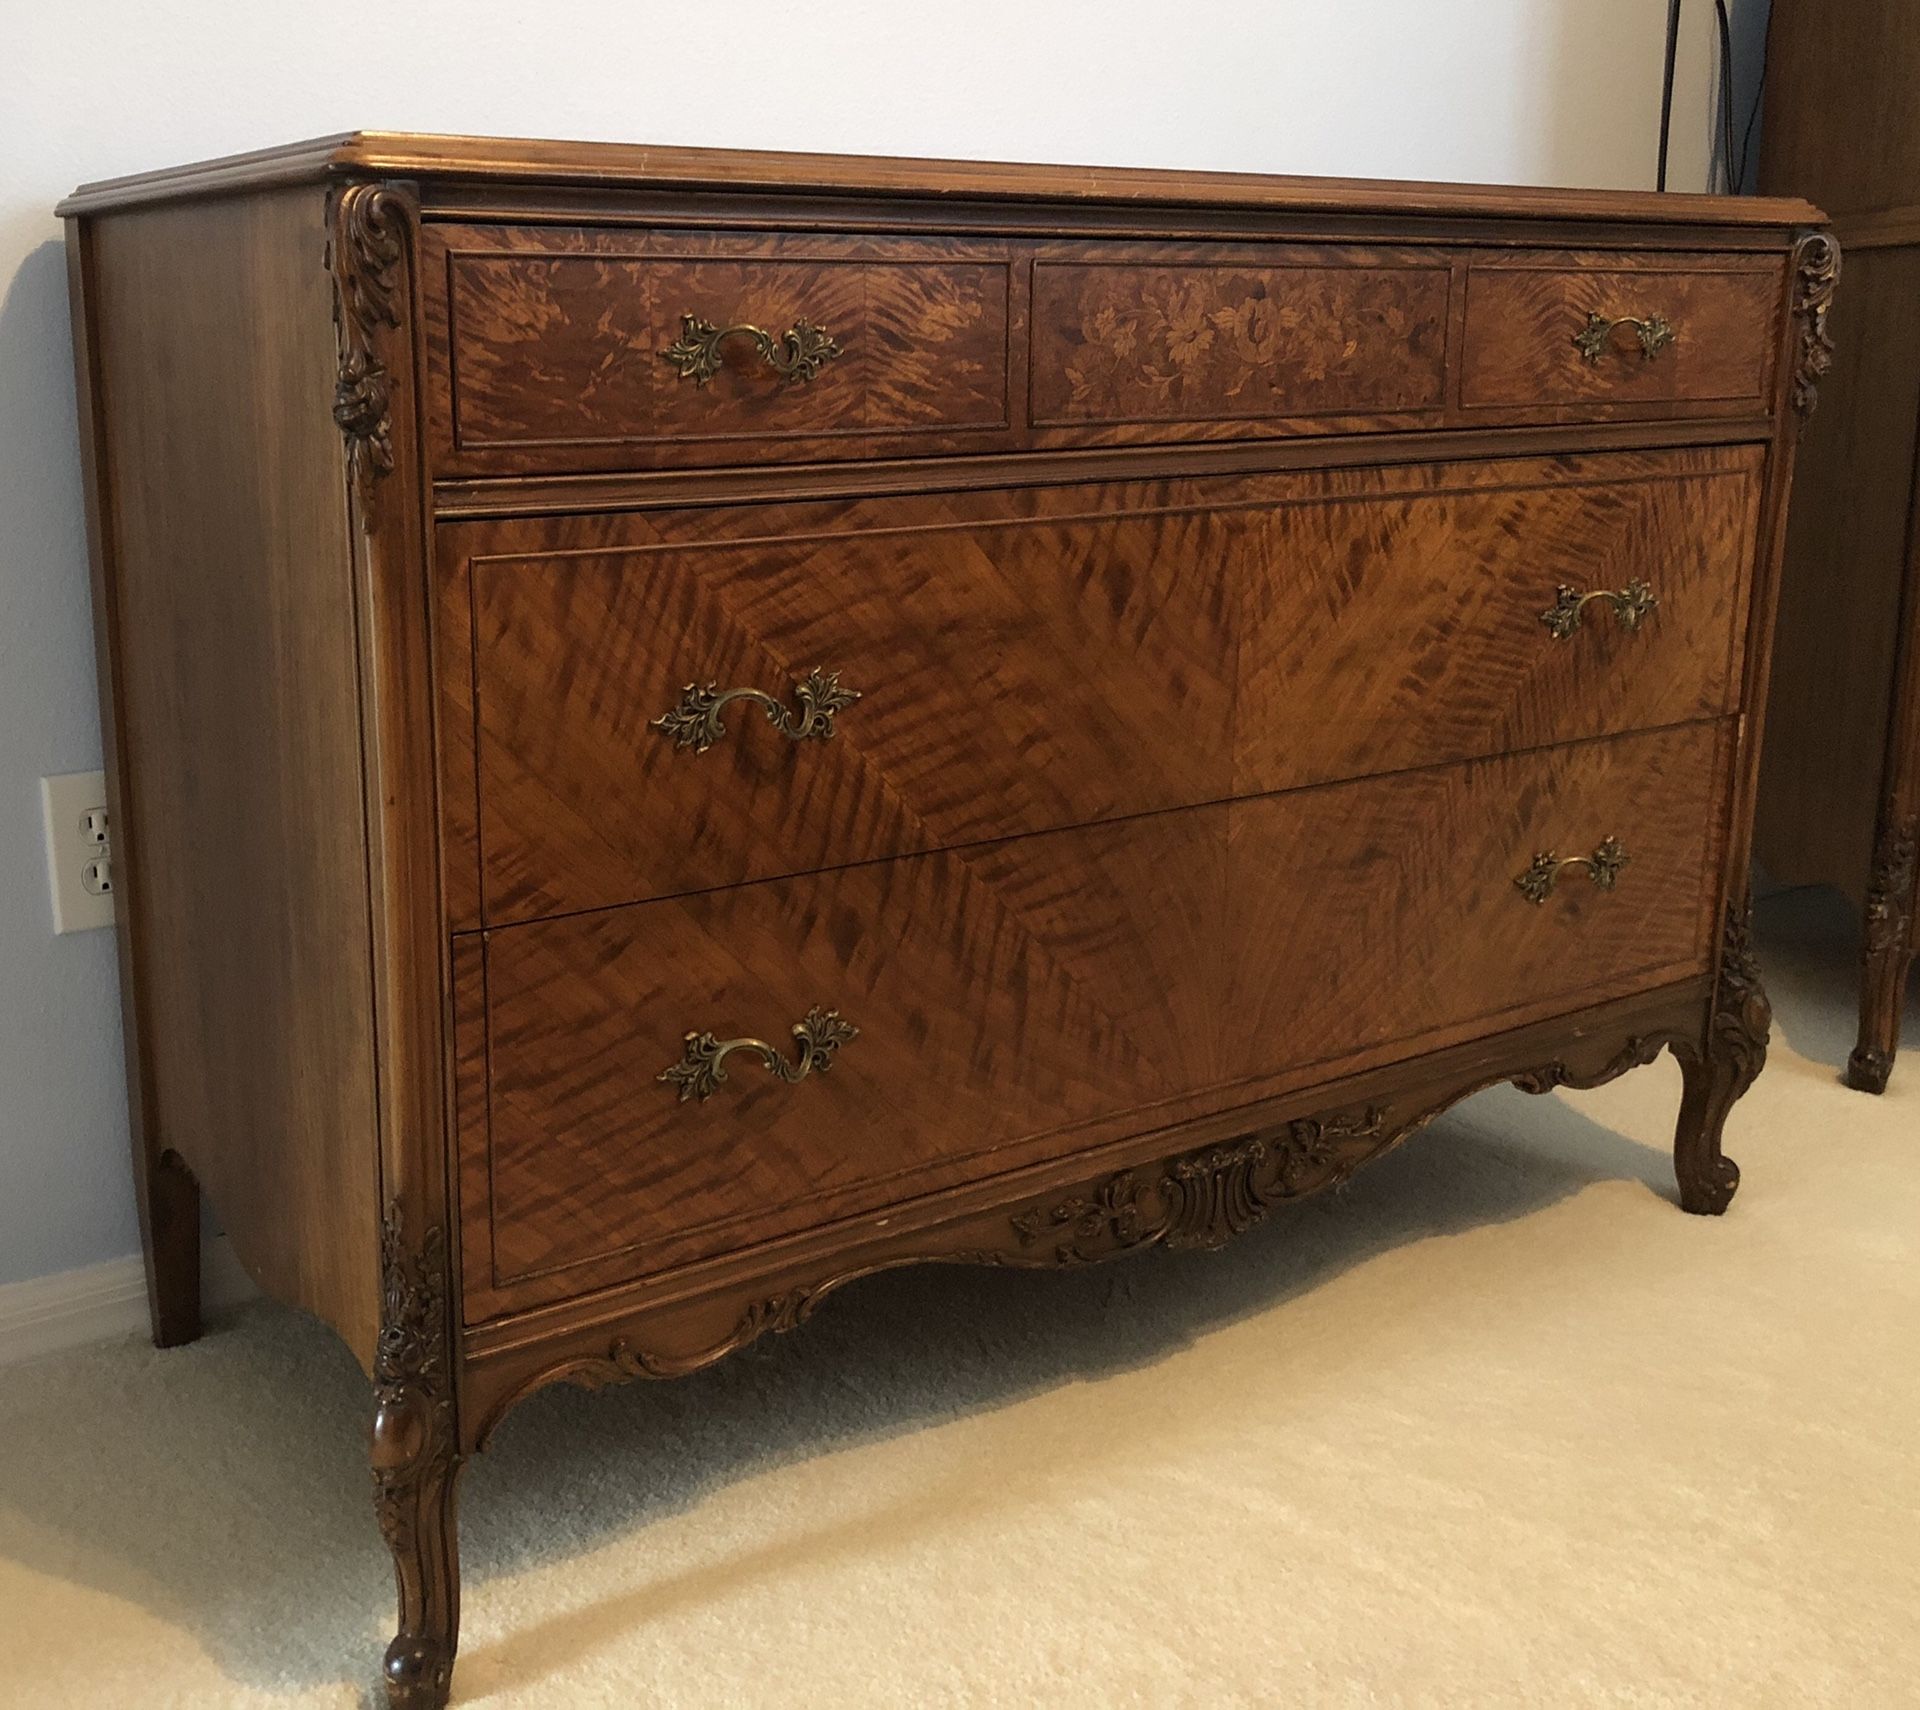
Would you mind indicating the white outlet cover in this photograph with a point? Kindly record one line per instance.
(73, 846)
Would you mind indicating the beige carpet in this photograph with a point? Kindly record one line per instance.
(1496, 1426)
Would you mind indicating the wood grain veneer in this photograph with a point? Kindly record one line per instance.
(1518, 347)
(218, 537)
(546, 346)
(1190, 542)
(999, 1007)
(1012, 651)
(1203, 337)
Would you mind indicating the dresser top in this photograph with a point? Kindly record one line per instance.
(615, 166)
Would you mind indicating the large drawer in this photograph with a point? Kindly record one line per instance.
(584, 347)
(1038, 659)
(1575, 336)
(1022, 999)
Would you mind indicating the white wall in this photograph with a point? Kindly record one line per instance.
(1526, 91)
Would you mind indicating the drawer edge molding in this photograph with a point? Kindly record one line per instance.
(485, 498)
(1192, 1197)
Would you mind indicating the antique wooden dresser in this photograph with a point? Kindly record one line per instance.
(686, 727)
(1840, 791)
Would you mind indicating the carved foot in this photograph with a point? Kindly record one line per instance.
(1869, 1070)
(418, 1675)
(1708, 1190)
(1721, 1068)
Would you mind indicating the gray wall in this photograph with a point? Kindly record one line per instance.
(1529, 91)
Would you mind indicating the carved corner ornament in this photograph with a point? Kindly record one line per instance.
(413, 1388)
(1889, 910)
(371, 223)
(1816, 271)
(1742, 1014)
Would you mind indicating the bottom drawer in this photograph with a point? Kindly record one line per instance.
(1032, 997)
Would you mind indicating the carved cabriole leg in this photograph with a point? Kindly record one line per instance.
(416, 1465)
(415, 1447)
(169, 1204)
(1707, 1175)
(1887, 952)
(1718, 1072)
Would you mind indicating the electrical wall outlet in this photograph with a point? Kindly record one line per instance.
(79, 850)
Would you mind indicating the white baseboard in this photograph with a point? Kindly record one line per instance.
(101, 1302)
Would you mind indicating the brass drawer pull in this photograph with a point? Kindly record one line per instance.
(799, 353)
(1543, 872)
(1655, 333)
(695, 722)
(702, 1068)
(1632, 606)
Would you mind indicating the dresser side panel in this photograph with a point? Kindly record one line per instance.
(1840, 589)
(231, 620)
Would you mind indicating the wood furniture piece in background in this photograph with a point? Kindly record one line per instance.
(687, 727)
(1840, 789)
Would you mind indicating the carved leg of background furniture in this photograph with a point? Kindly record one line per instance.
(1883, 993)
(1717, 1072)
(169, 1202)
(1888, 948)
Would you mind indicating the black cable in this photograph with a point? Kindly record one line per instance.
(1726, 98)
(1666, 89)
(1753, 116)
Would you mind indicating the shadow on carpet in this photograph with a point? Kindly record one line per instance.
(224, 1486)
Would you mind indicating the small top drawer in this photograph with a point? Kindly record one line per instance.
(1219, 338)
(1583, 335)
(579, 348)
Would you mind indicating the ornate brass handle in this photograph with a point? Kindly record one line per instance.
(695, 722)
(1543, 872)
(702, 1067)
(799, 353)
(1632, 606)
(1655, 333)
